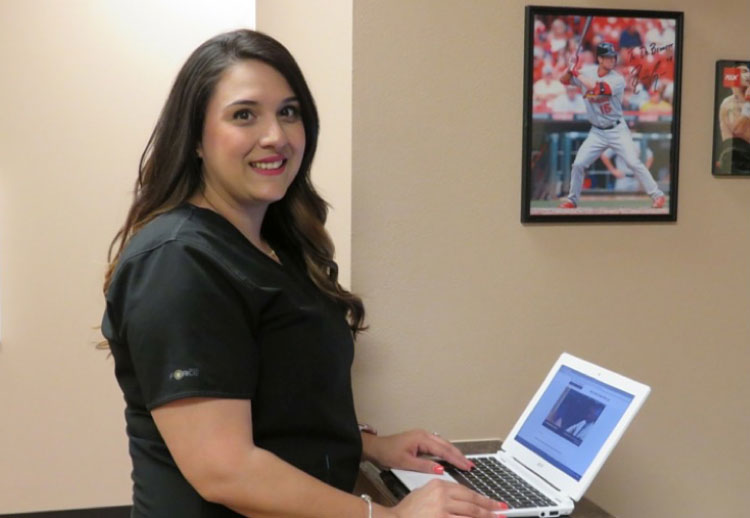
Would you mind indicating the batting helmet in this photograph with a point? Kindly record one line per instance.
(606, 49)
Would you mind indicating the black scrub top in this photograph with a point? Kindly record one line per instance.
(195, 310)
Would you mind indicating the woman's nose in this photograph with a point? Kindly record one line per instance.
(273, 134)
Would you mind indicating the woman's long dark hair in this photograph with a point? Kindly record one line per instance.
(170, 170)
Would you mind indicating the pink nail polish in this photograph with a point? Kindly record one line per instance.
(438, 469)
(502, 505)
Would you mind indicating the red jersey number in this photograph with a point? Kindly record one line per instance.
(606, 108)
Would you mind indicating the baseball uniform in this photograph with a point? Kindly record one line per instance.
(608, 130)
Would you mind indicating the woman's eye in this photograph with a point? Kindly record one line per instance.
(242, 115)
(290, 112)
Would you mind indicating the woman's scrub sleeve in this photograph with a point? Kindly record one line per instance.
(185, 324)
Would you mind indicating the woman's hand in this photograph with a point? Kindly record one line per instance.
(439, 499)
(404, 451)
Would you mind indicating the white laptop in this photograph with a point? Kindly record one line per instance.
(558, 444)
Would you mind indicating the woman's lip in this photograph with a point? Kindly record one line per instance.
(269, 167)
(272, 158)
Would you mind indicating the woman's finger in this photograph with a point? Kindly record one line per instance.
(465, 502)
(448, 452)
(423, 465)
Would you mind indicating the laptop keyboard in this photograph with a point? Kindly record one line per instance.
(494, 480)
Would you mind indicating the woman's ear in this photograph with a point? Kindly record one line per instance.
(199, 151)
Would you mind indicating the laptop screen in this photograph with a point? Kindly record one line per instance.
(572, 420)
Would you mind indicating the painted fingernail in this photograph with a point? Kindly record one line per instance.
(439, 470)
(502, 505)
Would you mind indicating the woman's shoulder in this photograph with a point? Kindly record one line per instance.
(185, 226)
(182, 233)
(190, 235)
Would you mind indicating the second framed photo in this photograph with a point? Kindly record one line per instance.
(601, 115)
(731, 156)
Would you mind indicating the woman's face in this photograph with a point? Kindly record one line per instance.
(253, 137)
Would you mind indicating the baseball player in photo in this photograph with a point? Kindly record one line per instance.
(734, 122)
(603, 89)
(625, 179)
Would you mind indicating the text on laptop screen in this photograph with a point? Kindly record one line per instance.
(572, 420)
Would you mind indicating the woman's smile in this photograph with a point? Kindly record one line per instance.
(269, 166)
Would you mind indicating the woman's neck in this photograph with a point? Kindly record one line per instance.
(247, 220)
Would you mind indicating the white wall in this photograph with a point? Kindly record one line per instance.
(82, 86)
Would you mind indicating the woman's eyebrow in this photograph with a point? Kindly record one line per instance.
(292, 99)
(243, 102)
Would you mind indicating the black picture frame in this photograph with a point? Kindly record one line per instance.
(642, 115)
(731, 143)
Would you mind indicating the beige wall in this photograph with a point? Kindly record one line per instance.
(82, 85)
(468, 308)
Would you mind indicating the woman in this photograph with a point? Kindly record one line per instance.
(232, 338)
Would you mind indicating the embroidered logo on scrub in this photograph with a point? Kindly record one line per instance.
(183, 373)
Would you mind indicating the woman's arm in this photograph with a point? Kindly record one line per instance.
(211, 442)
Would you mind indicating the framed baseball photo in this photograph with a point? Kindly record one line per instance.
(601, 115)
(731, 156)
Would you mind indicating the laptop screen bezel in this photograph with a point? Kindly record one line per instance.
(555, 476)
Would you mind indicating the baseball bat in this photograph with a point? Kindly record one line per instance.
(583, 34)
